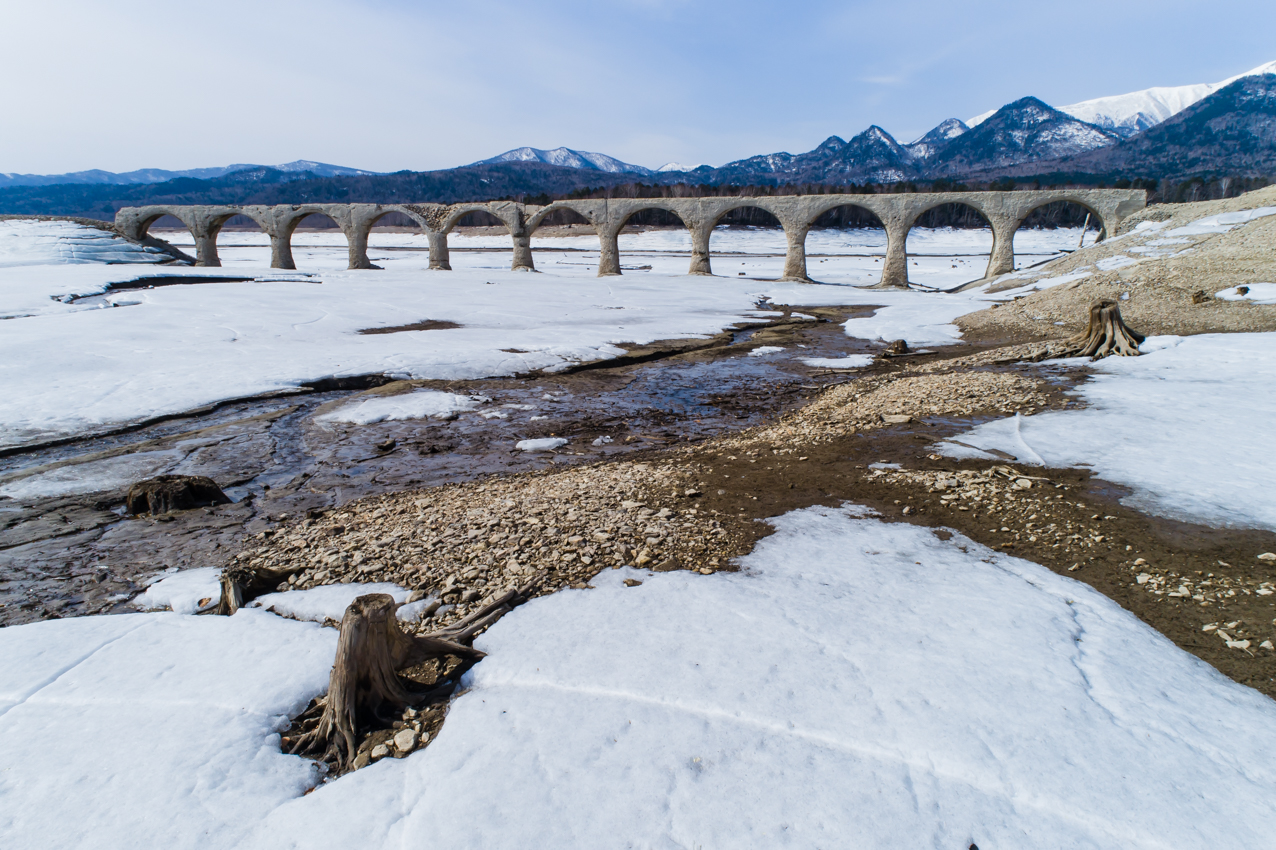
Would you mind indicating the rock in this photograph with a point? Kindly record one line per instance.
(896, 418)
(632, 582)
(380, 751)
(1023, 484)
(405, 740)
(1267, 556)
(1267, 644)
(167, 493)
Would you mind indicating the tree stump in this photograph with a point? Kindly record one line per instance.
(166, 493)
(364, 684)
(241, 585)
(1106, 334)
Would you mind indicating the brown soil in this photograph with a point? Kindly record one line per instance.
(425, 325)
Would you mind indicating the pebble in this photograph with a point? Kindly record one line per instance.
(380, 751)
(1267, 556)
(405, 740)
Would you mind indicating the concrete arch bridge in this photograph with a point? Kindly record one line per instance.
(1005, 211)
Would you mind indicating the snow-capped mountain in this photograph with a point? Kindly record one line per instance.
(678, 166)
(1127, 114)
(927, 145)
(1232, 130)
(1027, 130)
(567, 158)
(160, 175)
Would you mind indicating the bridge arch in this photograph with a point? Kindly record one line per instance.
(287, 221)
(960, 213)
(746, 212)
(576, 239)
(832, 225)
(617, 219)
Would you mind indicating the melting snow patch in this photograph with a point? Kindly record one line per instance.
(326, 602)
(1258, 293)
(182, 591)
(1186, 426)
(545, 444)
(763, 350)
(1108, 264)
(1221, 223)
(850, 361)
(422, 404)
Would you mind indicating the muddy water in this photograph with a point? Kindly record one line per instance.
(64, 551)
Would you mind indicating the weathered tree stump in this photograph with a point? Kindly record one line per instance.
(166, 493)
(241, 585)
(364, 688)
(1106, 334)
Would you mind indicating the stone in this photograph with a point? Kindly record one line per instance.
(405, 740)
(379, 751)
(1267, 556)
(168, 493)
(896, 418)
(632, 582)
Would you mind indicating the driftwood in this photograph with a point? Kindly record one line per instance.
(364, 688)
(1106, 334)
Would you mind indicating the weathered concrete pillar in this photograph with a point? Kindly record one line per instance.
(609, 251)
(206, 251)
(1002, 259)
(281, 250)
(895, 266)
(522, 253)
(795, 256)
(700, 234)
(357, 242)
(440, 259)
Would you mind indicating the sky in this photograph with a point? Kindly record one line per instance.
(391, 84)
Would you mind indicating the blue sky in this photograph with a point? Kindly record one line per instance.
(390, 84)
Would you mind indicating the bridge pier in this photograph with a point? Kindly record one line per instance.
(609, 251)
(895, 264)
(795, 254)
(700, 234)
(1002, 259)
(440, 259)
(281, 251)
(522, 253)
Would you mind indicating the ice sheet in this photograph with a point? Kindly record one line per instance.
(421, 404)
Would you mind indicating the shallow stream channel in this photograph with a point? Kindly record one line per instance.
(67, 546)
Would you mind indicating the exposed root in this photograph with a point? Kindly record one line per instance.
(1106, 334)
(364, 688)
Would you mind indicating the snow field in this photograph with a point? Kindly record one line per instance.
(1187, 426)
(857, 684)
(121, 356)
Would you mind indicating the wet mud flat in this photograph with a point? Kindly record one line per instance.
(65, 552)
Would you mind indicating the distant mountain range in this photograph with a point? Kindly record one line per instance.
(568, 158)
(160, 175)
(1213, 130)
